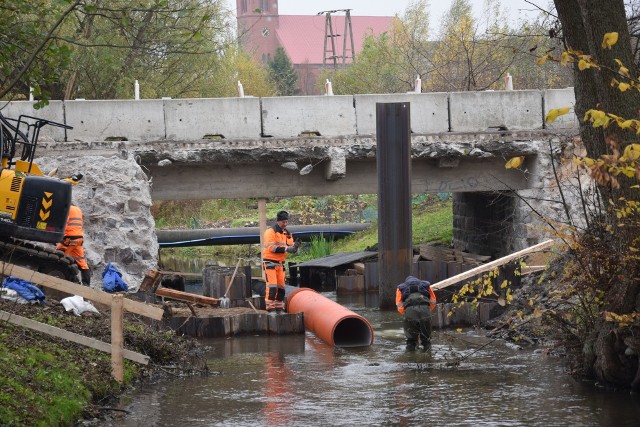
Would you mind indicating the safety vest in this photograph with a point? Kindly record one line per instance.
(74, 223)
(275, 243)
(420, 292)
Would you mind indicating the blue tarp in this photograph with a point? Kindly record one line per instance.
(112, 279)
(26, 290)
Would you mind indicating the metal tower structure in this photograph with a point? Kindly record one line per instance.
(347, 52)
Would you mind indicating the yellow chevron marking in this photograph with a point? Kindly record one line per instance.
(46, 203)
(44, 215)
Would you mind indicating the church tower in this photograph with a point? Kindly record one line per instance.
(257, 24)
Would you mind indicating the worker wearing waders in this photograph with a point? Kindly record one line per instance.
(415, 300)
(72, 241)
(277, 244)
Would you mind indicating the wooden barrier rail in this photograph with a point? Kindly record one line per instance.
(117, 302)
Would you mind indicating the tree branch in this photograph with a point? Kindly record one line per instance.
(39, 48)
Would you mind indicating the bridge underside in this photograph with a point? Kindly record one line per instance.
(229, 181)
(470, 166)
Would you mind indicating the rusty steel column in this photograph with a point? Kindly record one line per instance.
(393, 156)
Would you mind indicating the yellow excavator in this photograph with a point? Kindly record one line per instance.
(33, 207)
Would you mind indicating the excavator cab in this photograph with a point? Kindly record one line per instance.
(32, 206)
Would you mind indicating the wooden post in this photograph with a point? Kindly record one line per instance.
(262, 213)
(117, 339)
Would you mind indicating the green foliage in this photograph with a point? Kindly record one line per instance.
(432, 222)
(317, 247)
(207, 214)
(47, 381)
(41, 386)
(376, 69)
(174, 48)
(27, 30)
(283, 74)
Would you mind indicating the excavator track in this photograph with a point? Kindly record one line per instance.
(37, 258)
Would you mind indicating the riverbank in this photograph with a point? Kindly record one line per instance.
(50, 381)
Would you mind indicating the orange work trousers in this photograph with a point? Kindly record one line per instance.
(74, 249)
(274, 292)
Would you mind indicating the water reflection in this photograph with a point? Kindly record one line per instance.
(301, 381)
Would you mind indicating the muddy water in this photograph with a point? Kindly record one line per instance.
(300, 381)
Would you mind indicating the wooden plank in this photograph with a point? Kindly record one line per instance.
(151, 281)
(468, 256)
(180, 273)
(491, 265)
(359, 266)
(71, 288)
(186, 296)
(117, 339)
(70, 336)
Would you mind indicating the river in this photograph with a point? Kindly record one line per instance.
(465, 380)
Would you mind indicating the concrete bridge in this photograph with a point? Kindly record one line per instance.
(322, 145)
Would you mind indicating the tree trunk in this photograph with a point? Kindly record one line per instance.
(584, 24)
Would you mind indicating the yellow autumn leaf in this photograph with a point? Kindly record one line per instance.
(632, 151)
(628, 171)
(609, 40)
(509, 296)
(553, 114)
(623, 87)
(514, 162)
(459, 330)
(583, 65)
(597, 117)
(625, 124)
(601, 122)
(542, 59)
(565, 58)
(614, 82)
(623, 70)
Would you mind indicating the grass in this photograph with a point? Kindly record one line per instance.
(429, 224)
(41, 384)
(47, 381)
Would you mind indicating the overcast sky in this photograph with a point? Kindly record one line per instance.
(517, 8)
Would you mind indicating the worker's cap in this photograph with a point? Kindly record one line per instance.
(282, 216)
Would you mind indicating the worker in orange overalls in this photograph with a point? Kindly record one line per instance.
(277, 244)
(415, 300)
(72, 241)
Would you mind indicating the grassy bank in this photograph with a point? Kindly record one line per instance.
(48, 381)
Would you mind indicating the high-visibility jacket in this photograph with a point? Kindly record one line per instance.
(414, 285)
(74, 222)
(275, 243)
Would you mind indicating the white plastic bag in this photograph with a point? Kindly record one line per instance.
(78, 305)
(11, 295)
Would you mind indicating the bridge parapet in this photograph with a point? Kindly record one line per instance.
(293, 117)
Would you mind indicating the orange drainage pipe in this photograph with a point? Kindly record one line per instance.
(331, 322)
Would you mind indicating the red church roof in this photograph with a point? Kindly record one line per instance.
(302, 36)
